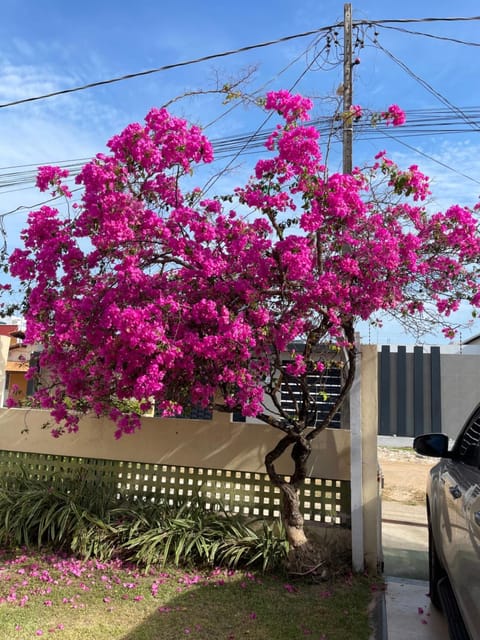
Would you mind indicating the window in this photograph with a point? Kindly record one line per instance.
(324, 387)
(194, 412)
(468, 445)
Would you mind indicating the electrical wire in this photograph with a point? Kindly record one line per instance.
(420, 122)
(422, 82)
(434, 36)
(413, 20)
(166, 67)
(212, 181)
(30, 207)
(432, 158)
(223, 54)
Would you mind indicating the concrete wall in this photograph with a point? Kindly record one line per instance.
(427, 389)
(460, 384)
(223, 444)
(216, 444)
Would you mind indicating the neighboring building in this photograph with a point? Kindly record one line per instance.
(424, 389)
(16, 362)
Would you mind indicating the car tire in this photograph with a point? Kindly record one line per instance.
(435, 571)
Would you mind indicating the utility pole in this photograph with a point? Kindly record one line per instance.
(356, 437)
(347, 89)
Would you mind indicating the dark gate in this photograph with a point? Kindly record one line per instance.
(409, 391)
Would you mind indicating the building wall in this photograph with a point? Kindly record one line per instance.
(460, 390)
(4, 347)
(426, 390)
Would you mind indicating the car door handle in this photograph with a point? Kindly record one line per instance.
(455, 491)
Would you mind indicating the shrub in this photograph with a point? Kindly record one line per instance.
(91, 519)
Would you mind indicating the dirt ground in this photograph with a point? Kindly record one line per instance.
(404, 475)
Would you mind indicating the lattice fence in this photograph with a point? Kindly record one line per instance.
(252, 494)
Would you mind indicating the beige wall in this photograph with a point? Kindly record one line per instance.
(217, 444)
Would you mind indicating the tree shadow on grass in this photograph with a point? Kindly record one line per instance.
(248, 606)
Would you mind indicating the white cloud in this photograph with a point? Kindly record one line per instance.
(448, 185)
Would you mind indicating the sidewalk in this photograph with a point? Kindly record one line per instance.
(409, 614)
(405, 540)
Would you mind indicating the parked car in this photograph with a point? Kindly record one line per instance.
(453, 511)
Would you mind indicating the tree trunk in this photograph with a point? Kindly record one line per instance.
(292, 517)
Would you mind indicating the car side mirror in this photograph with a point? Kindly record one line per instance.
(434, 445)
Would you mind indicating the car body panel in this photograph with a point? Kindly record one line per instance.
(453, 503)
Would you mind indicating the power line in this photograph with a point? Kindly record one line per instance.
(426, 85)
(167, 67)
(223, 54)
(22, 207)
(412, 20)
(420, 122)
(423, 119)
(432, 158)
(431, 121)
(467, 43)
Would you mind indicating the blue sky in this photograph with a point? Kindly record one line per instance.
(53, 45)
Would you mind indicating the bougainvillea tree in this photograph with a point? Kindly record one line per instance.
(146, 291)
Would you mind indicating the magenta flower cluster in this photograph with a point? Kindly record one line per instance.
(154, 294)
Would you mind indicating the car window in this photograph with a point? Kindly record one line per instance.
(468, 445)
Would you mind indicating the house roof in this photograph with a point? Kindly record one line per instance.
(13, 365)
(8, 329)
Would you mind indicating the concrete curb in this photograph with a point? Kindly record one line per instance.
(378, 616)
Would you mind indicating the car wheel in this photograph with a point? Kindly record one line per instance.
(436, 571)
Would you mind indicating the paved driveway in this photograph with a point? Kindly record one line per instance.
(405, 550)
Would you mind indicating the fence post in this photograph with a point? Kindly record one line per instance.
(372, 517)
(356, 469)
(364, 481)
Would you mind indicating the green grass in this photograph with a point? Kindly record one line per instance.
(63, 598)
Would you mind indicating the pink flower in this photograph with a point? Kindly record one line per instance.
(356, 111)
(52, 176)
(394, 115)
(186, 298)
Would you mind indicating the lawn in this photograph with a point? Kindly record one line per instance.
(64, 598)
